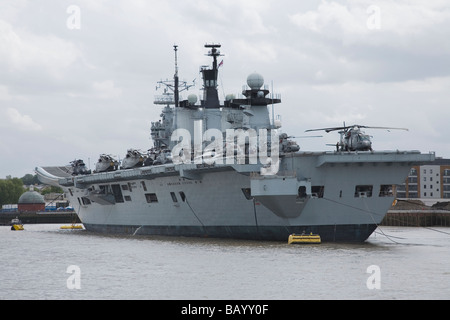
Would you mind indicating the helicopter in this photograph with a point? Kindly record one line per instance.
(287, 146)
(353, 138)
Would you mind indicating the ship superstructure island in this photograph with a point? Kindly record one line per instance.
(227, 170)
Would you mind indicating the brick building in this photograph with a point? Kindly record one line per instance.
(31, 201)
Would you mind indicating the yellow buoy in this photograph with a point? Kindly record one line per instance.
(304, 239)
(17, 227)
(71, 227)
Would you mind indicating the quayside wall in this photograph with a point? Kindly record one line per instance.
(39, 218)
(417, 218)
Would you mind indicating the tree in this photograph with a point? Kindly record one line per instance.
(11, 190)
(30, 180)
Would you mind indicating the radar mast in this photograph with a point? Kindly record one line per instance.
(211, 97)
(175, 85)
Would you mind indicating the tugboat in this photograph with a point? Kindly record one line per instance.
(16, 224)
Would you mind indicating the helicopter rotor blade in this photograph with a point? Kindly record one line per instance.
(305, 137)
(383, 128)
(327, 130)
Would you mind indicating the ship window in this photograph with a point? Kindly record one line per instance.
(317, 191)
(301, 192)
(151, 197)
(127, 198)
(143, 185)
(174, 197)
(247, 193)
(183, 196)
(103, 189)
(85, 200)
(124, 187)
(386, 190)
(117, 193)
(71, 193)
(363, 191)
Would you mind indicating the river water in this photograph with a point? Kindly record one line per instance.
(45, 262)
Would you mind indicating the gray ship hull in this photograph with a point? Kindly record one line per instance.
(340, 196)
(331, 233)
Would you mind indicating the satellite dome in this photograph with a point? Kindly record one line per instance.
(31, 197)
(255, 81)
(192, 98)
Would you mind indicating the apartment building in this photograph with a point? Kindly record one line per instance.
(431, 181)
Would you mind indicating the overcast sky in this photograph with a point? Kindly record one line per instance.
(78, 78)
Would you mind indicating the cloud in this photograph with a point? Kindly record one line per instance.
(106, 90)
(20, 122)
(400, 23)
(4, 93)
(22, 51)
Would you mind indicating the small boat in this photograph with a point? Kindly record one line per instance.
(304, 239)
(16, 224)
(72, 227)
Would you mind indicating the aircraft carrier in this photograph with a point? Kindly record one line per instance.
(227, 170)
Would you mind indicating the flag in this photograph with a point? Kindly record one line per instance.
(221, 63)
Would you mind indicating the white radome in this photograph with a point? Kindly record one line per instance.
(255, 81)
(192, 98)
